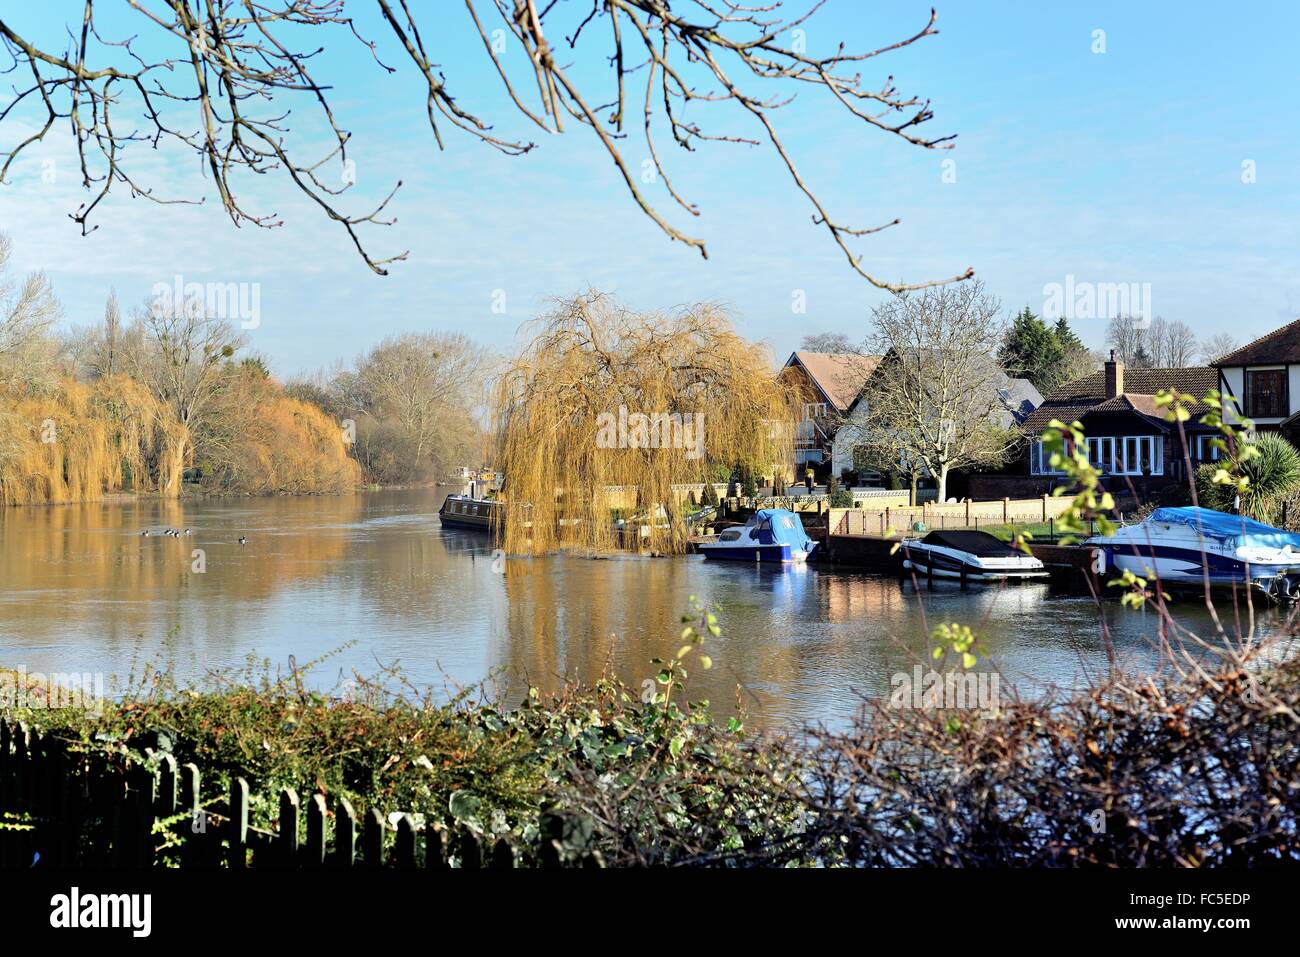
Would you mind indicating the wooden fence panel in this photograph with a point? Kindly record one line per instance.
(76, 809)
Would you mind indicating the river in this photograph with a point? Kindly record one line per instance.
(375, 580)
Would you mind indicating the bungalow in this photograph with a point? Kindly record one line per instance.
(1129, 439)
(1262, 379)
(825, 385)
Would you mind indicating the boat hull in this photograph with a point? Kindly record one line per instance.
(1195, 546)
(969, 555)
(462, 511)
(937, 564)
(1187, 566)
(747, 552)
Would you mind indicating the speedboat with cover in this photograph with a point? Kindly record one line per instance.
(770, 535)
(970, 556)
(1189, 545)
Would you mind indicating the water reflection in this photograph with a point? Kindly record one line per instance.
(84, 592)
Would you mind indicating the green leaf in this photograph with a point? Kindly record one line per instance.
(463, 805)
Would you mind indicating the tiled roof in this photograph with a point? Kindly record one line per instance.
(1076, 399)
(1194, 380)
(1280, 345)
(840, 375)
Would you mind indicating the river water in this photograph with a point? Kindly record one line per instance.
(376, 580)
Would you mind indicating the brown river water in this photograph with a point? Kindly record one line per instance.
(375, 578)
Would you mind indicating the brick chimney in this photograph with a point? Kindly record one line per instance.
(1114, 377)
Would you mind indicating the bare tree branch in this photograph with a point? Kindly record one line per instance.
(233, 68)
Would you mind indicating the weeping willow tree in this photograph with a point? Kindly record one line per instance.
(606, 409)
(78, 441)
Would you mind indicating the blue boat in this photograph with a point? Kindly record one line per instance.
(1192, 545)
(770, 535)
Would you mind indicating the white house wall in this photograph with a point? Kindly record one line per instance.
(848, 435)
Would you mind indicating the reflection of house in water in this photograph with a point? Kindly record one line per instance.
(852, 596)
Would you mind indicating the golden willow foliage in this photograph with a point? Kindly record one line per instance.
(78, 441)
(287, 445)
(560, 403)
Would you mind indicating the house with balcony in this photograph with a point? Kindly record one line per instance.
(1137, 450)
(825, 385)
(1263, 380)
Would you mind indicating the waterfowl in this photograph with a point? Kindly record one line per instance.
(145, 533)
(243, 540)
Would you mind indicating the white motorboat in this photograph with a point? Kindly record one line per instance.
(970, 556)
(770, 535)
(1193, 545)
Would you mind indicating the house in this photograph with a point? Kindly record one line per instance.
(1263, 380)
(1129, 439)
(825, 385)
(1015, 401)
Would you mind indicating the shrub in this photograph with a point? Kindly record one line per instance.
(1274, 475)
(1195, 769)
(838, 495)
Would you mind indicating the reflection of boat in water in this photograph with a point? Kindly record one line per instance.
(466, 511)
(971, 556)
(770, 535)
(1189, 545)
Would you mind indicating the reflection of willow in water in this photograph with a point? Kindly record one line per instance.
(574, 619)
(54, 554)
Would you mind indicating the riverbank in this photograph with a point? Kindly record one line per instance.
(1181, 769)
(195, 493)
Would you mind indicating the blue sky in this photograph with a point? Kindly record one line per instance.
(1124, 166)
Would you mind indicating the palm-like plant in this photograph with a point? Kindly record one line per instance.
(1274, 475)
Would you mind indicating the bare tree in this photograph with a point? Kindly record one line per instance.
(96, 351)
(836, 342)
(28, 309)
(1218, 345)
(237, 68)
(183, 365)
(1127, 336)
(933, 402)
(1172, 344)
(418, 396)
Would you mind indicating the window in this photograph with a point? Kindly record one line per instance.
(1140, 455)
(814, 410)
(1206, 451)
(1101, 454)
(1110, 455)
(1266, 393)
(1040, 458)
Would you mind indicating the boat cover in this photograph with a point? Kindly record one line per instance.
(786, 528)
(980, 544)
(1236, 529)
